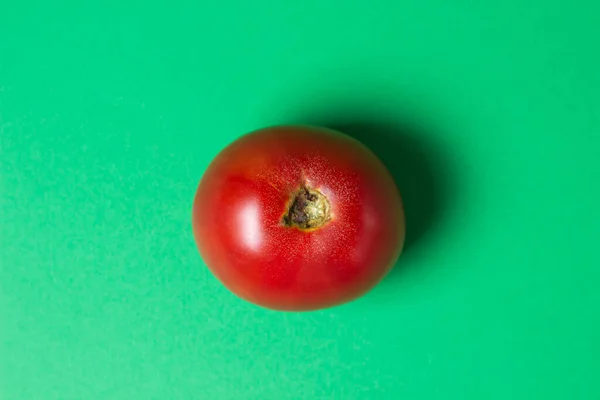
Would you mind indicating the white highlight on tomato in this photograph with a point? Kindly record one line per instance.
(249, 224)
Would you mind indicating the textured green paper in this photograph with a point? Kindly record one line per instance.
(488, 114)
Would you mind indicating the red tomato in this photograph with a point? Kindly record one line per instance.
(298, 218)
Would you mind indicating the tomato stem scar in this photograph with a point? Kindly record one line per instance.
(308, 209)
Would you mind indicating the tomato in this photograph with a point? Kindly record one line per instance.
(298, 218)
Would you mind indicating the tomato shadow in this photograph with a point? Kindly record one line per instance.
(407, 157)
(419, 167)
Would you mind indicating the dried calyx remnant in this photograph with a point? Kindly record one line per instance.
(308, 209)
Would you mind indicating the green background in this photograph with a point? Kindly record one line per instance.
(487, 113)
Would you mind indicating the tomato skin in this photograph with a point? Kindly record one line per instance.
(245, 192)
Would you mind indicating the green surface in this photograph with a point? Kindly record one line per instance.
(488, 113)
